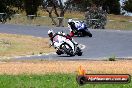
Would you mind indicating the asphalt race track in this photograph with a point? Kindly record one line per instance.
(103, 44)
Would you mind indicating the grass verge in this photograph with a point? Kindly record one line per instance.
(58, 74)
(120, 22)
(50, 81)
(19, 45)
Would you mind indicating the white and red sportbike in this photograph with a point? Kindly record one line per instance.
(66, 46)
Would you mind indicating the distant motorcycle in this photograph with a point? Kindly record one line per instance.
(83, 32)
(65, 46)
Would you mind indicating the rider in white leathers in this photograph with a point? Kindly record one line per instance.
(52, 35)
(60, 38)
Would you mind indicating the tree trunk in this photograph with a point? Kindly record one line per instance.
(61, 20)
(57, 4)
(54, 22)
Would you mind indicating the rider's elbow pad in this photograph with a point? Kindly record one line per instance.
(71, 33)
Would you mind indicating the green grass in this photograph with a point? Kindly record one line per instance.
(50, 81)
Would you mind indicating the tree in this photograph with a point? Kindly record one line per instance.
(99, 15)
(128, 5)
(5, 7)
(59, 9)
(111, 6)
(31, 6)
(82, 6)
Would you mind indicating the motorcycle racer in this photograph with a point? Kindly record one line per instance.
(52, 35)
(76, 27)
(60, 40)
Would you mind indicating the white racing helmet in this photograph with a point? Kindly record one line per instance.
(50, 32)
(70, 20)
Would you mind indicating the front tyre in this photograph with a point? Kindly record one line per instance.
(88, 33)
(58, 52)
(67, 48)
(78, 51)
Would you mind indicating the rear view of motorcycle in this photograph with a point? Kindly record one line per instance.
(78, 28)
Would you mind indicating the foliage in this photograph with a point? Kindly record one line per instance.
(31, 6)
(111, 6)
(5, 7)
(113, 58)
(59, 9)
(128, 5)
(99, 15)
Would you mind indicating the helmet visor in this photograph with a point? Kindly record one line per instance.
(50, 35)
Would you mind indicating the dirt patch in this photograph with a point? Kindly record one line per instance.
(43, 67)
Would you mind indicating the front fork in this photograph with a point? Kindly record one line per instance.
(71, 44)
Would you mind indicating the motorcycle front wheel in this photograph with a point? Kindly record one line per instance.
(78, 51)
(67, 48)
(88, 33)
